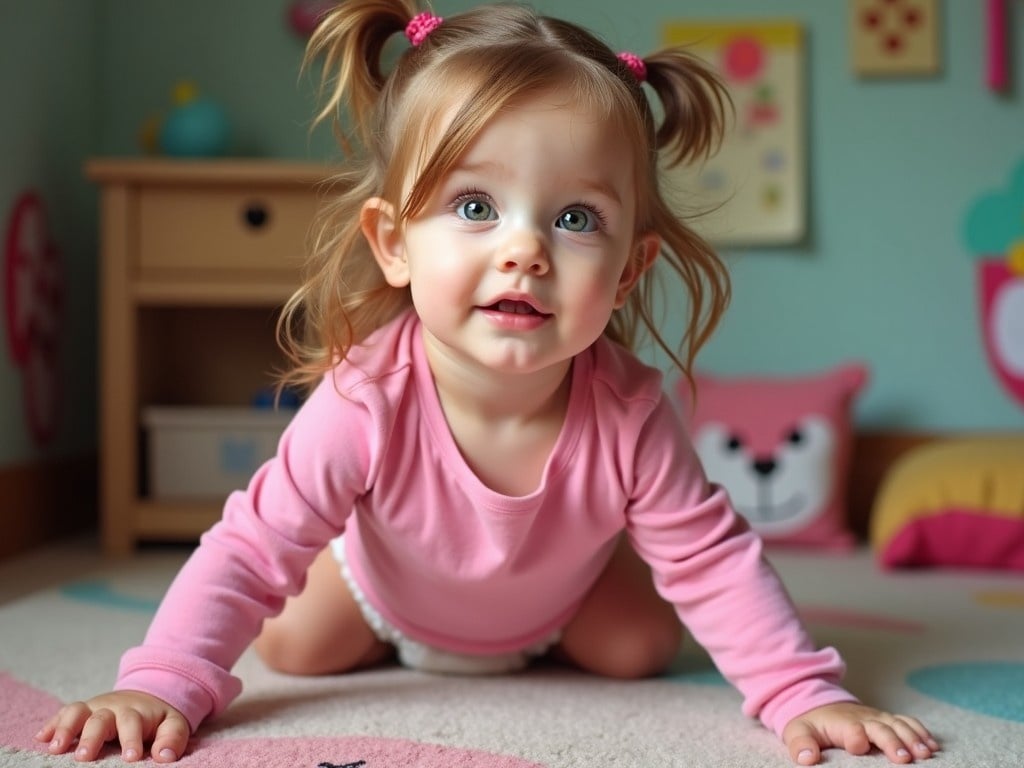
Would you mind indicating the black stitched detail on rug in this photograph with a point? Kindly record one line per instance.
(356, 764)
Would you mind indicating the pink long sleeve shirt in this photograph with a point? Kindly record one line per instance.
(452, 563)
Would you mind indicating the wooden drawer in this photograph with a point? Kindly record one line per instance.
(231, 230)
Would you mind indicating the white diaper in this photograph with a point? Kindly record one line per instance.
(416, 655)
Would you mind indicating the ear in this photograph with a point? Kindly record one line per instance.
(645, 251)
(380, 228)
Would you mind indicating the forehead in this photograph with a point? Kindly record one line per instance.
(550, 129)
(455, 130)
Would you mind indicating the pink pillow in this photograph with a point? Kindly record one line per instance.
(781, 446)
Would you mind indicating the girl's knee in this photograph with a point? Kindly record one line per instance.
(281, 651)
(626, 651)
(643, 652)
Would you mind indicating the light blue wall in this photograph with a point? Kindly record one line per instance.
(47, 125)
(883, 275)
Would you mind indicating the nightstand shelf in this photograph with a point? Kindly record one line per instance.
(197, 258)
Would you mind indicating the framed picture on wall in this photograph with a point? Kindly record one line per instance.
(754, 189)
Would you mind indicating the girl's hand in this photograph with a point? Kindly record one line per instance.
(131, 717)
(855, 728)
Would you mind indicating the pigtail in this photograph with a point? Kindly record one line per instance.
(351, 40)
(695, 107)
(695, 104)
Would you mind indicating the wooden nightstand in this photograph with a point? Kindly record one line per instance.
(197, 258)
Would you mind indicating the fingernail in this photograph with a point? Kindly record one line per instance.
(933, 743)
(82, 752)
(902, 752)
(55, 744)
(805, 754)
(921, 746)
(130, 754)
(168, 754)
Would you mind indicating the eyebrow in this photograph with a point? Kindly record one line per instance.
(599, 186)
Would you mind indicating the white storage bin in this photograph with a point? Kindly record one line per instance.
(207, 452)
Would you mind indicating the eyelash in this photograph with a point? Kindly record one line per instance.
(474, 194)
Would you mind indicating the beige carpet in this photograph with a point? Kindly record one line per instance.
(946, 646)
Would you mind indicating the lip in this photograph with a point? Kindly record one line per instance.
(521, 298)
(534, 316)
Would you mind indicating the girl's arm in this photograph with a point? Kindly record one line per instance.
(242, 571)
(708, 562)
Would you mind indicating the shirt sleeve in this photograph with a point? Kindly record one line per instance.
(255, 556)
(708, 562)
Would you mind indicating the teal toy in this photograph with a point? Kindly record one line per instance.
(196, 127)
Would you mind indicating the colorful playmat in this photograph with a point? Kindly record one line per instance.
(946, 646)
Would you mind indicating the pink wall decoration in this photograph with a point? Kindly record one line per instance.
(34, 301)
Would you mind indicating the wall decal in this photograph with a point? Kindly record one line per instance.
(894, 37)
(994, 231)
(34, 296)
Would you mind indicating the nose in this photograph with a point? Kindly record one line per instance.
(523, 251)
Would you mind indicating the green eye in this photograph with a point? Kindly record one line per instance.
(576, 220)
(476, 210)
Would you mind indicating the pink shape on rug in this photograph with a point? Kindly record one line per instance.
(858, 619)
(335, 752)
(23, 710)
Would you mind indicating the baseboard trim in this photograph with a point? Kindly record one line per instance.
(46, 500)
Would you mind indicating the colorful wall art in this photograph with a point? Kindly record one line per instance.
(759, 177)
(994, 231)
(894, 37)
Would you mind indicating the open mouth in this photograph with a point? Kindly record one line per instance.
(514, 307)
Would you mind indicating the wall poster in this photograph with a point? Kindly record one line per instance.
(757, 182)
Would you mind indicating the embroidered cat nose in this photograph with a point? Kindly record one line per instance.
(764, 467)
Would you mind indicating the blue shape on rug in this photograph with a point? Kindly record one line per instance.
(101, 593)
(991, 688)
(694, 671)
(699, 677)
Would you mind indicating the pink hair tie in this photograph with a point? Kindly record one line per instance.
(636, 65)
(421, 25)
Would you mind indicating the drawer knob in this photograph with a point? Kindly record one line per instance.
(256, 215)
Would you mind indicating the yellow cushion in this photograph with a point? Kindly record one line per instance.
(975, 475)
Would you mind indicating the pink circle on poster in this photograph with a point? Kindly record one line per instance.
(743, 59)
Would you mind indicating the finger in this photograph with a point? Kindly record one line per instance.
(66, 726)
(923, 734)
(856, 739)
(884, 737)
(171, 739)
(129, 733)
(100, 728)
(911, 738)
(802, 745)
(45, 732)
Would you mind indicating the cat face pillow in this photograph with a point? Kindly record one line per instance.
(781, 448)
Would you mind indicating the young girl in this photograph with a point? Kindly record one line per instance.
(507, 475)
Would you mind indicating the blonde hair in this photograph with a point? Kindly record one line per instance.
(478, 63)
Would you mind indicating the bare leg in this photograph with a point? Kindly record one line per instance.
(623, 628)
(320, 631)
